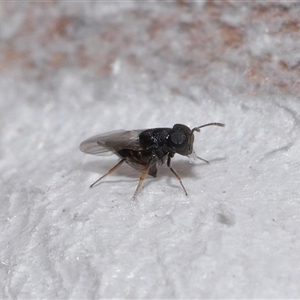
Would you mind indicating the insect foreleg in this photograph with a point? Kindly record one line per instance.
(113, 169)
(202, 159)
(176, 174)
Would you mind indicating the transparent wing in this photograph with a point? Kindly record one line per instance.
(112, 142)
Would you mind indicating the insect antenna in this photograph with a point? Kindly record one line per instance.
(194, 155)
(209, 124)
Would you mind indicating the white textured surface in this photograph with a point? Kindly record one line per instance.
(235, 236)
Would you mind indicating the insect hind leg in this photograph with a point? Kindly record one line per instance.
(113, 169)
(176, 174)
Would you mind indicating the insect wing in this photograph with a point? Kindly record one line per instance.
(112, 142)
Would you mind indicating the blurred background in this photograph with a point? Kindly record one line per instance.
(197, 42)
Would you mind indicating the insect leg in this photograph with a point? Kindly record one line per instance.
(202, 159)
(176, 174)
(117, 166)
(193, 155)
(150, 164)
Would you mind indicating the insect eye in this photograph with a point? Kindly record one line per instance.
(178, 138)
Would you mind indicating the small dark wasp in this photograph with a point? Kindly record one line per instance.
(143, 149)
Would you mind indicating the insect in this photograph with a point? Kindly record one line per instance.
(144, 149)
